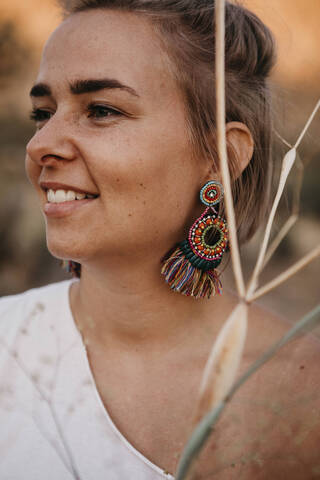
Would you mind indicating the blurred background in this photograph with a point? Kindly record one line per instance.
(24, 259)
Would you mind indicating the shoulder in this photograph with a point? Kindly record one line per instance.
(282, 401)
(32, 296)
(36, 329)
(290, 377)
(20, 309)
(271, 428)
(266, 328)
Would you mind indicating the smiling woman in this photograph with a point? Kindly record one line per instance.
(102, 371)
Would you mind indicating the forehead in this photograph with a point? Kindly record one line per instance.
(106, 43)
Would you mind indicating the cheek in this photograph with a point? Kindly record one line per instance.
(140, 167)
(148, 184)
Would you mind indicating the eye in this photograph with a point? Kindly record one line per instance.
(96, 111)
(102, 111)
(39, 115)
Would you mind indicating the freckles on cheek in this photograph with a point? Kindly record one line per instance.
(136, 162)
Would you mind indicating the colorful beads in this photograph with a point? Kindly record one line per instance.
(211, 193)
(208, 225)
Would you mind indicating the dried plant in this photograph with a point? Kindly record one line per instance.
(218, 387)
(204, 428)
(218, 383)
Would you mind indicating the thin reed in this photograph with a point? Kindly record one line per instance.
(217, 386)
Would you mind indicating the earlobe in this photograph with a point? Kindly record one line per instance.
(240, 140)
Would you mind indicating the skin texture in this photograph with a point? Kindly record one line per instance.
(145, 344)
(139, 162)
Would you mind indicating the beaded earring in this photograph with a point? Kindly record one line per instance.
(190, 268)
(71, 267)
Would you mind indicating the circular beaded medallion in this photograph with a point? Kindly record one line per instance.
(208, 237)
(211, 193)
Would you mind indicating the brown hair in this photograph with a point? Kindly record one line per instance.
(187, 32)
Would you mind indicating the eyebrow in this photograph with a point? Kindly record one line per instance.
(79, 87)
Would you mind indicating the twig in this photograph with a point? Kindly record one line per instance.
(286, 274)
(223, 361)
(307, 124)
(221, 142)
(278, 239)
(287, 164)
(204, 428)
(283, 140)
(226, 352)
(292, 219)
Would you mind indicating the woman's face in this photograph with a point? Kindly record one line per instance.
(110, 122)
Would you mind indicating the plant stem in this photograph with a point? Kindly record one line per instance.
(221, 142)
(286, 274)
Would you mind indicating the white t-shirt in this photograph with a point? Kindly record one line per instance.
(53, 424)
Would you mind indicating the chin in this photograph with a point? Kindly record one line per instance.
(64, 249)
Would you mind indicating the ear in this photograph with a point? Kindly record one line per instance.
(240, 140)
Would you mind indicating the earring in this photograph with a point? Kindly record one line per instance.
(71, 267)
(190, 268)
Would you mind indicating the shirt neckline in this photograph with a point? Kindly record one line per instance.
(96, 393)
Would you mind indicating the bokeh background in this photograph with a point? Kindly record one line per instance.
(24, 259)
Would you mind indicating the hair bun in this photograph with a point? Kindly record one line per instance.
(250, 45)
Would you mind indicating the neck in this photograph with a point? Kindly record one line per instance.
(134, 308)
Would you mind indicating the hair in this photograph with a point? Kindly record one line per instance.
(187, 32)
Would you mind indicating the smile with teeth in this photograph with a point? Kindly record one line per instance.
(60, 196)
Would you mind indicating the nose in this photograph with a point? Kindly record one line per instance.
(52, 143)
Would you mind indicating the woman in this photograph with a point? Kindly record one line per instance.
(101, 374)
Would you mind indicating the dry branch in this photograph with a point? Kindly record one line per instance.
(223, 361)
(293, 217)
(287, 164)
(286, 274)
(222, 145)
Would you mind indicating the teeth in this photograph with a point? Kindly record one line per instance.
(70, 195)
(50, 195)
(80, 196)
(60, 196)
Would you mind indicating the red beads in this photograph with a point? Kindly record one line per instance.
(211, 193)
(201, 230)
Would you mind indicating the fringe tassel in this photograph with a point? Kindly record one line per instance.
(71, 267)
(184, 278)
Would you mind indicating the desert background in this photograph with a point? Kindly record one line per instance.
(24, 259)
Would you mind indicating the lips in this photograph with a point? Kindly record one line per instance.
(63, 200)
(65, 209)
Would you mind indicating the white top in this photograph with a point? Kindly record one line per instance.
(53, 424)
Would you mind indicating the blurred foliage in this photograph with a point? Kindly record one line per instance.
(24, 259)
(14, 55)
